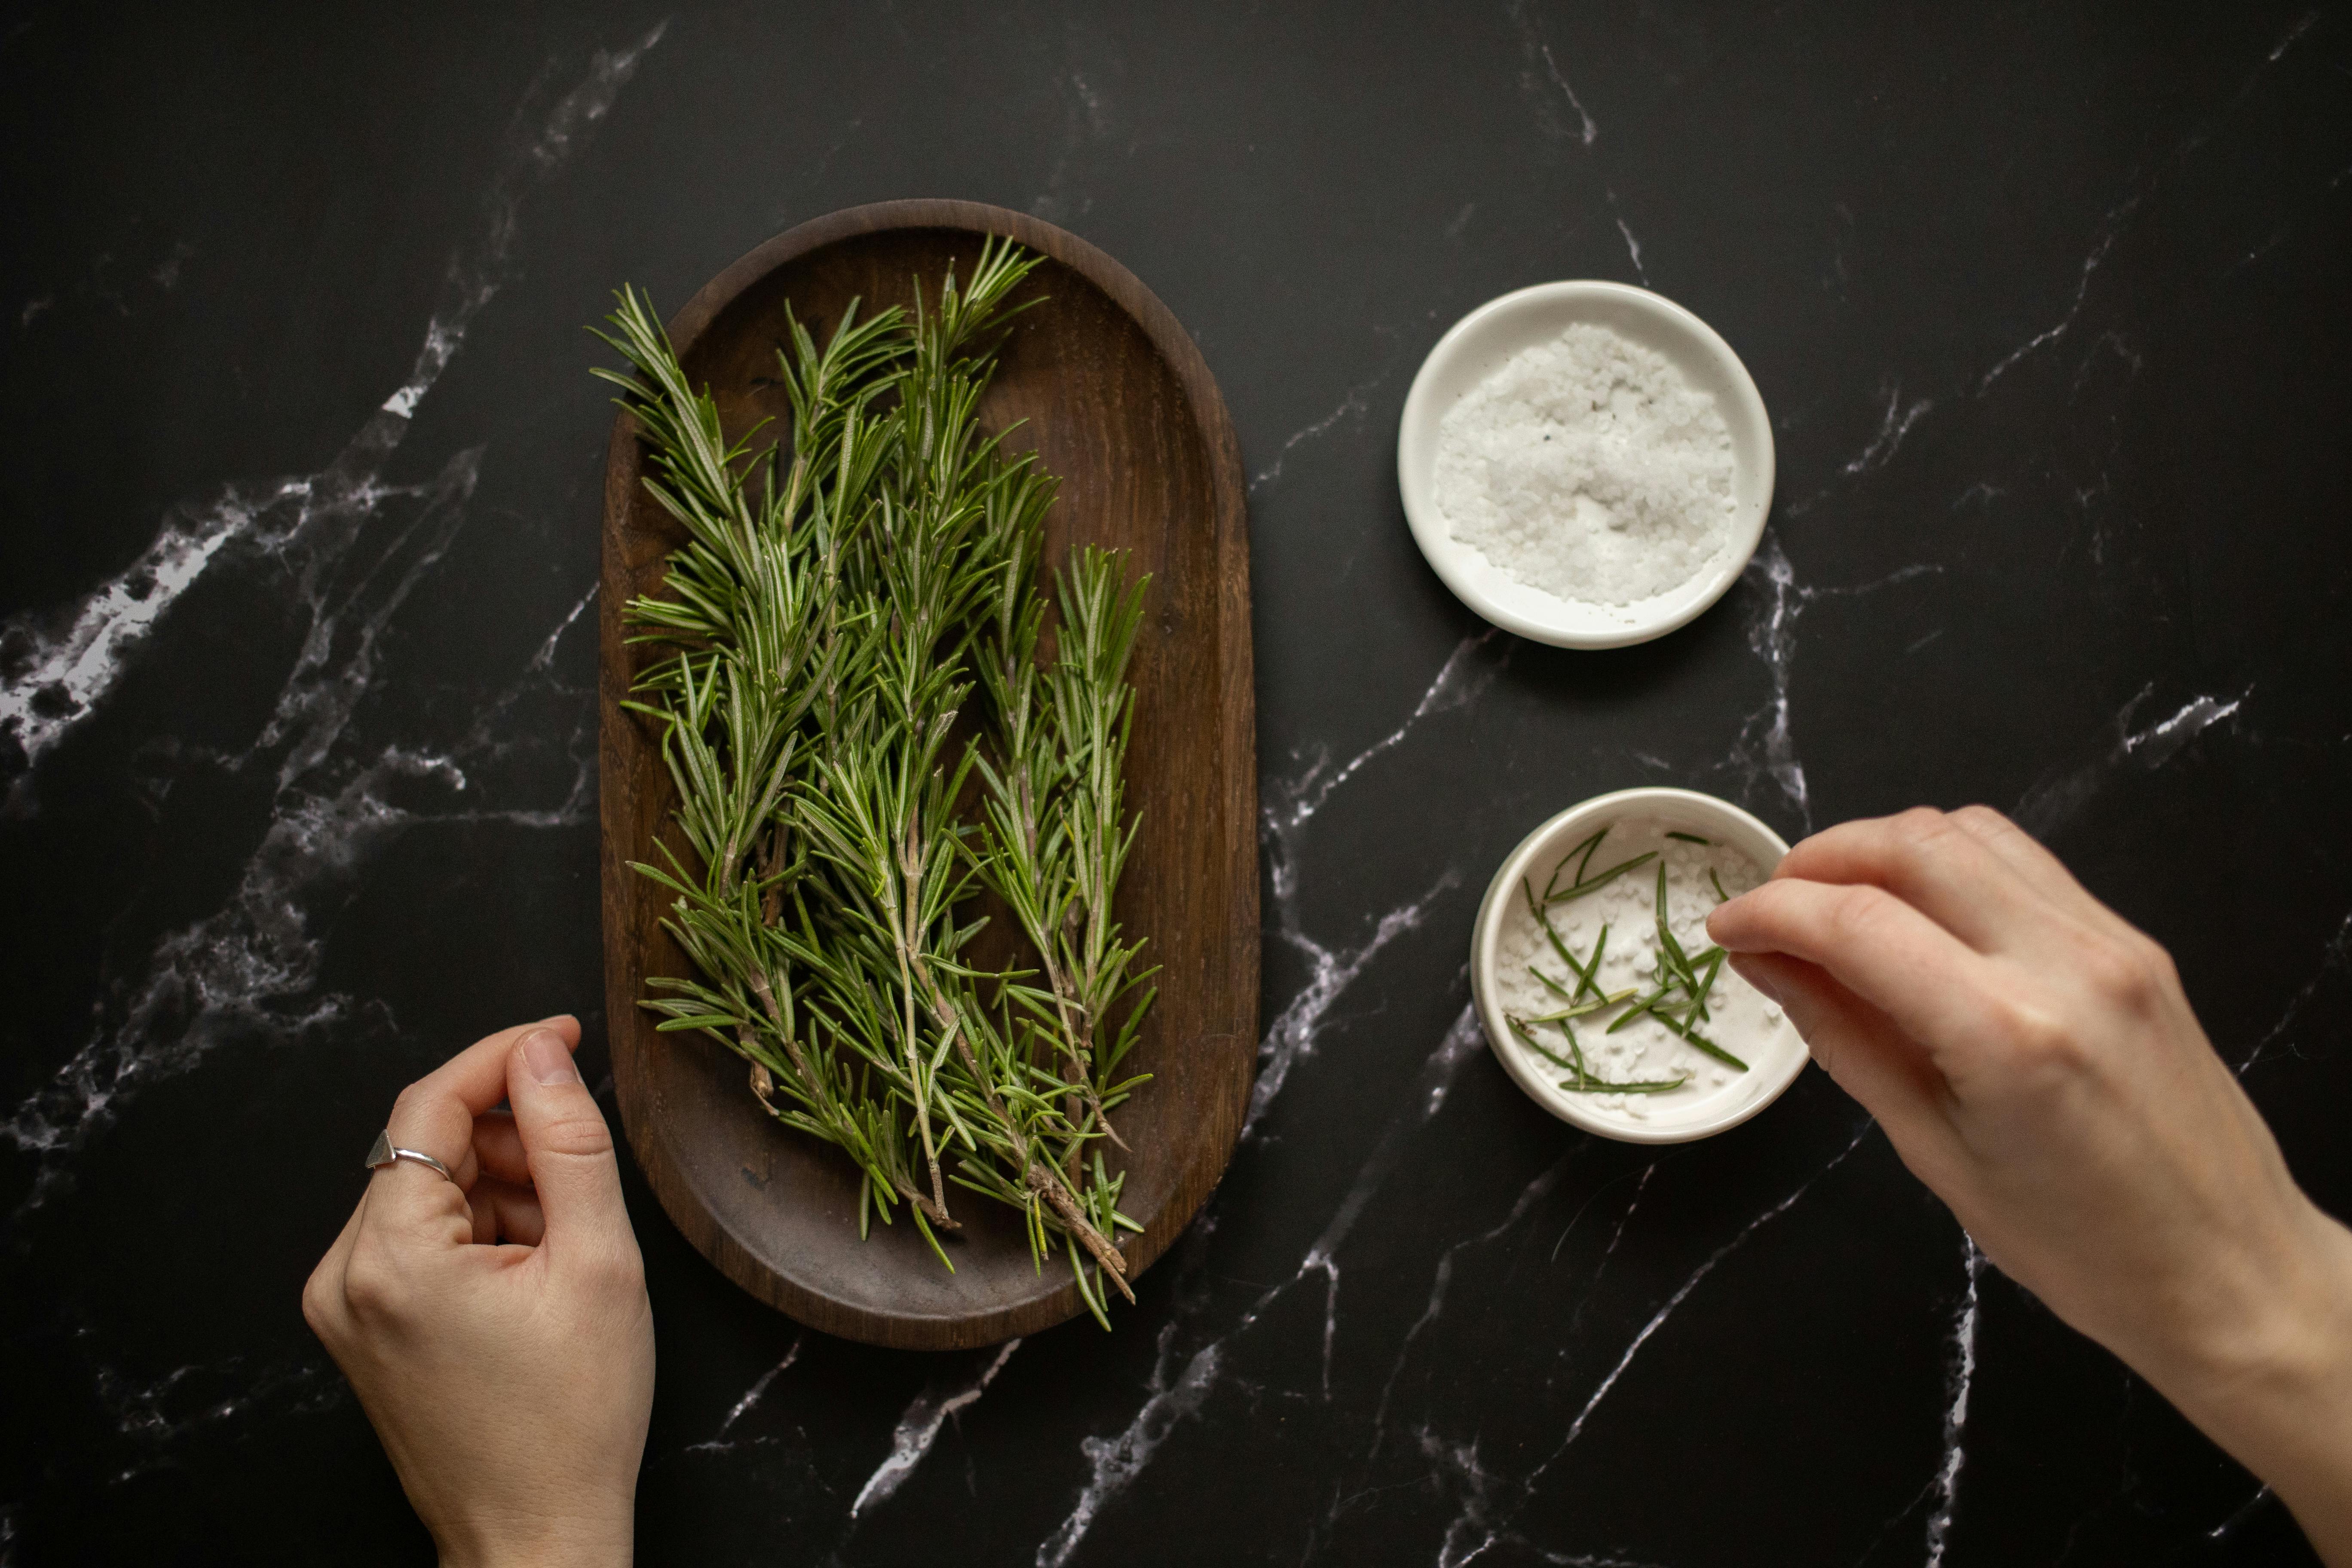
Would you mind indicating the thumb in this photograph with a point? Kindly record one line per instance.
(568, 1147)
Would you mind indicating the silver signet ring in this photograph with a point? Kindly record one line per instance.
(382, 1153)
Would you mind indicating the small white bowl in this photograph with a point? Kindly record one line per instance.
(1774, 1061)
(1492, 333)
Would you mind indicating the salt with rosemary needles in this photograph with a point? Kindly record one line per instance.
(1611, 987)
(1589, 467)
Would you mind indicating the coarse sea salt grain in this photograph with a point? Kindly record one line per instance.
(1589, 467)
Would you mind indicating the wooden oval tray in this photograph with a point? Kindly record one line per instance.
(1119, 403)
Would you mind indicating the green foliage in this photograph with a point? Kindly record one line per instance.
(842, 596)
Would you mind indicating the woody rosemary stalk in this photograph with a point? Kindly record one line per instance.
(842, 596)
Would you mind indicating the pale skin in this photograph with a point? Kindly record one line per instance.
(2029, 1055)
(2033, 1060)
(495, 1328)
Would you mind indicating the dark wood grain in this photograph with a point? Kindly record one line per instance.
(1119, 403)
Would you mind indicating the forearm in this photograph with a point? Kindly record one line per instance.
(2271, 1381)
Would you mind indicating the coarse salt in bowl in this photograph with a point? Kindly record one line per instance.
(1482, 343)
(1507, 944)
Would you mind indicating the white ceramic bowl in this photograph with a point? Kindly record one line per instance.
(1774, 1061)
(1498, 329)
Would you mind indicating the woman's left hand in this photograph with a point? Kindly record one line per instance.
(495, 1325)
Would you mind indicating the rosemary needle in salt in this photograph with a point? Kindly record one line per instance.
(1670, 952)
(1593, 969)
(1713, 961)
(1612, 1086)
(1701, 1041)
(1646, 1005)
(1585, 1082)
(1690, 839)
(1581, 972)
(1721, 897)
(1519, 1028)
(1581, 1008)
(1593, 884)
(1585, 848)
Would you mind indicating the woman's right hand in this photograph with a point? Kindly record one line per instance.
(2034, 1061)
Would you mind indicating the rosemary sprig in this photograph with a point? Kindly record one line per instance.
(837, 600)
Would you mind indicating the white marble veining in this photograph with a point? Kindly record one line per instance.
(192, 1400)
(1682, 1294)
(2335, 958)
(1893, 427)
(2238, 1516)
(103, 282)
(1355, 406)
(1115, 1462)
(1288, 807)
(1632, 246)
(256, 960)
(344, 796)
(1492, 1516)
(2060, 795)
(2114, 228)
(1766, 745)
(1460, 681)
(2254, 75)
(1960, 1381)
(69, 658)
(1087, 121)
(1293, 1036)
(918, 1428)
(338, 662)
(1442, 1280)
(1633, 249)
(1173, 1395)
(1474, 1530)
(1535, 50)
(719, 1442)
(64, 673)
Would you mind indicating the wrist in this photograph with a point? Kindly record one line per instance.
(2265, 1370)
(562, 1543)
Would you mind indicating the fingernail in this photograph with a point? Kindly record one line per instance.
(550, 1061)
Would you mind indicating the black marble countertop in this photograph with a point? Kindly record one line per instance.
(301, 493)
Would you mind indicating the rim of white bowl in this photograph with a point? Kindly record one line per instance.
(1470, 350)
(1691, 811)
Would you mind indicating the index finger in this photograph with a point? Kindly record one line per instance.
(1878, 947)
(435, 1114)
(1933, 863)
